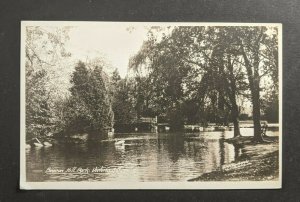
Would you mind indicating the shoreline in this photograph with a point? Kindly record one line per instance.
(258, 162)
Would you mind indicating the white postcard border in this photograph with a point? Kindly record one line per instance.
(83, 185)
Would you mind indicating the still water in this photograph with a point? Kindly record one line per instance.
(143, 157)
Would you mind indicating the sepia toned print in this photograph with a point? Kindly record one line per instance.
(112, 105)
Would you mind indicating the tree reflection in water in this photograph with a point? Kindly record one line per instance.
(143, 157)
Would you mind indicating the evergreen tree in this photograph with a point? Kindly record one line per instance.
(90, 100)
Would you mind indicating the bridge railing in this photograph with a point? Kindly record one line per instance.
(146, 120)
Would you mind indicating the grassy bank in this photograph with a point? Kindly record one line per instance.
(258, 161)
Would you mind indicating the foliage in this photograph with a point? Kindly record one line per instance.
(89, 101)
(37, 109)
(44, 49)
(270, 107)
(208, 69)
(259, 51)
(121, 96)
(183, 74)
(124, 112)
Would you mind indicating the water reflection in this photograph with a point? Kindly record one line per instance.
(143, 157)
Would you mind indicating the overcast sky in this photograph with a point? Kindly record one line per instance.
(113, 41)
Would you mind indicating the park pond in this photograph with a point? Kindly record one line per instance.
(142, 157)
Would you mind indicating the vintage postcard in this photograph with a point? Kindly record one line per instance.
(141, 105)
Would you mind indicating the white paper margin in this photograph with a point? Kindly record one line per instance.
(83, 185)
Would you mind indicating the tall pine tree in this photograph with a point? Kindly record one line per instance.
(90, 100)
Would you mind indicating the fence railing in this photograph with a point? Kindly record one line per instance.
(146, 120)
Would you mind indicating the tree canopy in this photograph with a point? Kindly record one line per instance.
(212, 68)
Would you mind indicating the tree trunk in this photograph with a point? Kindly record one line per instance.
(254, 80)
(235, 118)
(232, 97)
(234, 109)
(255, 98)
(256, 114)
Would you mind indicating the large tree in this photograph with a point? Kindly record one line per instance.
(163, 76)
(90, 99)
(229, 73)
(44, 51)
(209, 53)
(211, 66)
(258, 47)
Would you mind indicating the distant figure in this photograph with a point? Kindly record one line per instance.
(136, 129)
(110, 134)
(167, 128)
(264, 129)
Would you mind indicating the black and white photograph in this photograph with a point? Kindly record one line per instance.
(141, 105)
